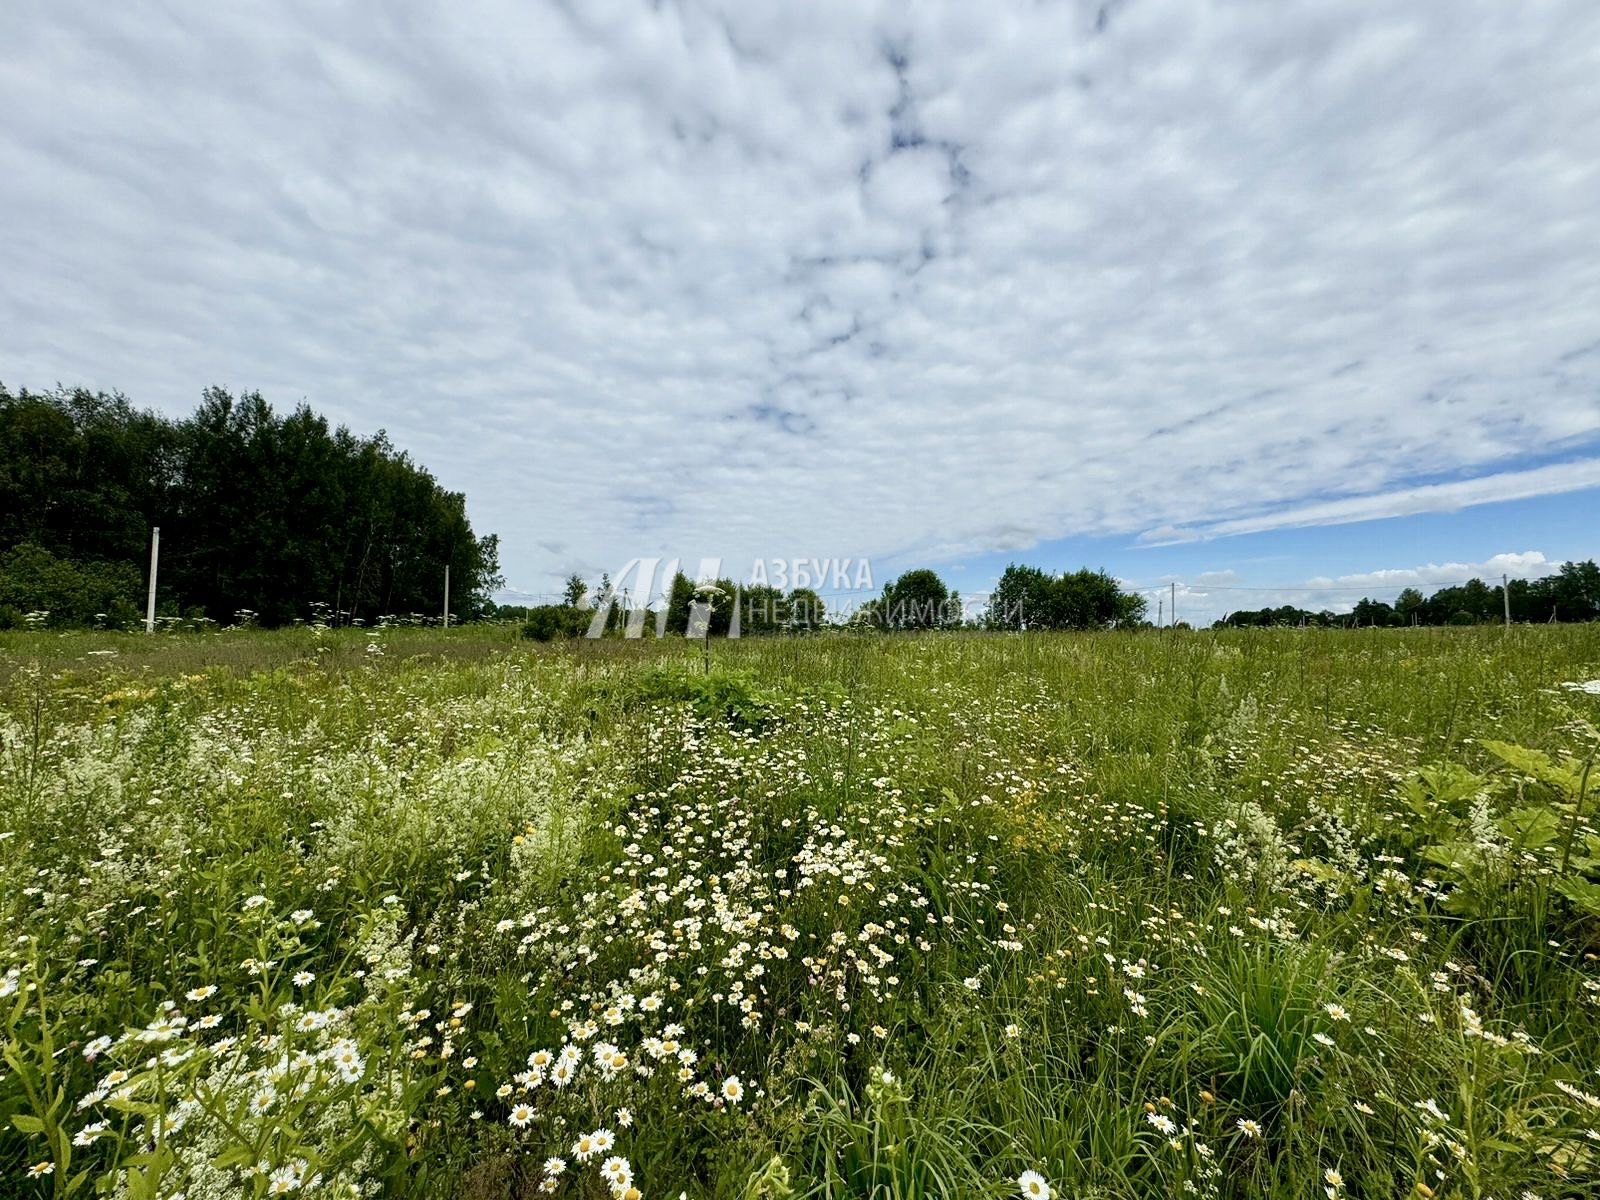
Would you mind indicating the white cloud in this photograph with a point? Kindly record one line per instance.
(837, 278)
(1527, 564)
(1438, 497)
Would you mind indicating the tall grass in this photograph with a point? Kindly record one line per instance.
(1250, 913)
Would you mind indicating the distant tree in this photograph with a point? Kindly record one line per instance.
(1021, 597)
(806, 610)
(1373, 612)
(681, 601)
(916, 600)
(1094, 600)
(869, 615)
(1575, 591)
(573, 593)
(680, 597)
(1027, 597)
(762, 609)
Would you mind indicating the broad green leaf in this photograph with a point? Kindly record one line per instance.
(1581, 892)
(1536, 763)
(1533, 827)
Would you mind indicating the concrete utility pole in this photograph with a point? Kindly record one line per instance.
(1505, 594)
(150, 603)
(1161, 611)
(1174, 603)
(447, 595)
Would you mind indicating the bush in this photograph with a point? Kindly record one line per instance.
(74, 593)
(550, 621)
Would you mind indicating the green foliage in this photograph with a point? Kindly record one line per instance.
(1026, 597)
(71, 592)
(806, 610)
(259, 511)
(917, 600)
(719, 695)
(681, 603)
(548, 622)
(1260, 1009)
(880, 1144)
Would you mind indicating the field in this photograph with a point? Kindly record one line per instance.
(412, 913)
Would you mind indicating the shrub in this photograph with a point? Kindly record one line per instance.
(550, 621)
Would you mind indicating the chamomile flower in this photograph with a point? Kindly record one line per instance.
(1032, 1186)
(262, 1100)
(287, 1178)
(616, 1172)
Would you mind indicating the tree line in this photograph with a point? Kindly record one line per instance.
(1024, 598)
(1571, 594)
(263, 515)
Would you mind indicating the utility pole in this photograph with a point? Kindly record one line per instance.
(447, 595)
(1161, 610)
(1505, 594)
(150, 603)
(1174, 603)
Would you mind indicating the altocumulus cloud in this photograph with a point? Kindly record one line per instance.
(835, 277)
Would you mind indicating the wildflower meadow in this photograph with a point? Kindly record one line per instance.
(424, 913)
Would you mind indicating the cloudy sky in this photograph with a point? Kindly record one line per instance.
(1234, 293)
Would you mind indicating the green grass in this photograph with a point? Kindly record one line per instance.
(1242, 914)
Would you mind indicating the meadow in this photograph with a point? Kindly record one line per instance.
(415, 913)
